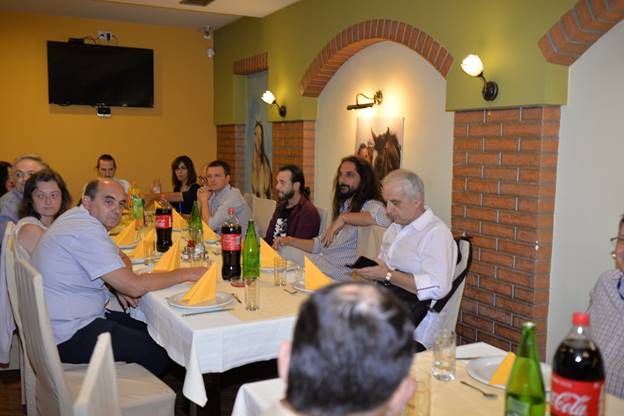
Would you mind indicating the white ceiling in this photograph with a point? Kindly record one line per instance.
(161, 12)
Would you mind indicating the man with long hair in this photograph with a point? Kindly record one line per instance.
(357, 202)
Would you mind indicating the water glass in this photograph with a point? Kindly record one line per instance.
(420, 403)
(279, 271)
(299, 275)
(150, 256)
(252, 294)
(444, 355)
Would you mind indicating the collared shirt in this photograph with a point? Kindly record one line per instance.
(606, 319)
(9, 205)
(72, 256)
(424, 248)
(219, 202)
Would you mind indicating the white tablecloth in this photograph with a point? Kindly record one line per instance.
(217, 342)
(254, 398)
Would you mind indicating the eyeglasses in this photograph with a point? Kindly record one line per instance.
(616, 240)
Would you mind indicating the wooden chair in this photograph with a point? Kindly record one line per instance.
(141, 393)
(98, 395)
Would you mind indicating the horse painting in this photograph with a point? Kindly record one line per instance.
(388, 151)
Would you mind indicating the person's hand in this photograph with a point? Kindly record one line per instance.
(127, 301)
(193, 274)
(377, 272)
(334, 228)
(156, 187)
(281, 242)
(203, 195)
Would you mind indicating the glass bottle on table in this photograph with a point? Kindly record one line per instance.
(251, 268)
(231, 246)
(525, 394)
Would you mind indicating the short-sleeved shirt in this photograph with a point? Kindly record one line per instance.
(188, 197)
(73, 255)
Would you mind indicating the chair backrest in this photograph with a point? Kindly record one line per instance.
(249, 199)
(369, 241)
(53, 396)
(263, 209)
(452, 306)
(7, 276)
(323, 214)
(98, 394)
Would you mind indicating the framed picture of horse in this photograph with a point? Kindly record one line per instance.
(380, 141)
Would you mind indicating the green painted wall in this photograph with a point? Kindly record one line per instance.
(503, 32)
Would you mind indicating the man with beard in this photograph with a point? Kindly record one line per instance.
(295, 215)
(357, 202)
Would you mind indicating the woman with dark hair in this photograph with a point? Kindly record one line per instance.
(261, 177)
(6, 180)
(45, 198)
(185, 186)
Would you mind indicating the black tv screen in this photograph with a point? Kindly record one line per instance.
(87, 74)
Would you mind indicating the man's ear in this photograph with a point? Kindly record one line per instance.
(297, 186)
(283, 360)
(86, 202)
(227, 178)
(401, 396)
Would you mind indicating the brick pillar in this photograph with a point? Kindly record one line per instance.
(504, 171)
(231, 149)
(293, 143)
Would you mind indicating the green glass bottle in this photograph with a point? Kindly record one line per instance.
(195, 225)
(251, 253)
(525, 395)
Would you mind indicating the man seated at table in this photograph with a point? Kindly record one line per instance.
(217, 195)
(357, 202)
(351, 354)
(106, 167)
(418, 253)
(23, 168)
(77, 259)
(295, 215)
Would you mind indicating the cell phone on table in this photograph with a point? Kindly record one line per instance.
(362, 262)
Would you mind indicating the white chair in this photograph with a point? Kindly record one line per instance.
(443, 313)
(262, 212)
(323, 214)
(98, 395)
(249, 199)
(141, 393)
(369, 241)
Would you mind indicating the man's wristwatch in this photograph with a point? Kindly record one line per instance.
(387, 278)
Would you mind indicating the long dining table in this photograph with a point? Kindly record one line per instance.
(214, 342)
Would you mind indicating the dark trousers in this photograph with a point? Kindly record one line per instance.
(130, 341)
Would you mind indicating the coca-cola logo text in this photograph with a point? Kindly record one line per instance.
(569, 403)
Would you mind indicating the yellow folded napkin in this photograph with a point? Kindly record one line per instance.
(267, 255)
(209, 235)
(314, 278)
(501, 375)
(141, 250)
(126, 236)
(170, 260)
(178, 221)
(204, 289)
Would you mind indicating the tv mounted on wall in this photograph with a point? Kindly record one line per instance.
(86, 74)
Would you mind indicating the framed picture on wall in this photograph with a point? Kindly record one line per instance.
(380, 141)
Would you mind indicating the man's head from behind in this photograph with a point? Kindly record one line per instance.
(351, 353)
(104, 199)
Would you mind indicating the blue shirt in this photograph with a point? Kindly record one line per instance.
(73, 255)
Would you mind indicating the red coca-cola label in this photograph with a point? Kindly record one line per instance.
(163, 221)
(230, 242)
(576, 398)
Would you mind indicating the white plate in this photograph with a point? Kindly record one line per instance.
(301, 288)
(482, 369)
(212, 241)
(129, 246)
(221, 300)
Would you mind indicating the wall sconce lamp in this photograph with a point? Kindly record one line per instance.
(377, 99)
(473, 66)
(269, 98)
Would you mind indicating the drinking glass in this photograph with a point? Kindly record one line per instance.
(252, 294)
(444, 355)
(420, 403)
(279, 271)
(150, 255)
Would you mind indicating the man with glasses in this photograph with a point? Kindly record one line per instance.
(23, 167)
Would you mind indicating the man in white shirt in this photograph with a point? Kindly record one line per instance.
(418, 253)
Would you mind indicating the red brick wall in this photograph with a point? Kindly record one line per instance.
(231, 148)
(504, 172)
(293, 143)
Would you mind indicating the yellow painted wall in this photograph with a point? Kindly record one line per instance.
(144, 141)
(503, 32)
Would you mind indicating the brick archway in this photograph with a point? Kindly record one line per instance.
(357, 37)
(579, 28)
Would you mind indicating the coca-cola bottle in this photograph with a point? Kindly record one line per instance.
(164, 224)
(578, 373)
(231, 246)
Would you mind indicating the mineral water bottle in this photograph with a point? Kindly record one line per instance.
(525, 394)
(251, 253)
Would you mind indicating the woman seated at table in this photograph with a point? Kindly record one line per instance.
(45, 199)
(185, 186)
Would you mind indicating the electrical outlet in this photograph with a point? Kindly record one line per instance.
(102, 35)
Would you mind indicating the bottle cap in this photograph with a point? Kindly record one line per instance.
(580, 319)
(231, 211)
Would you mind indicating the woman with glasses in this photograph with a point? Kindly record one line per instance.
(45, 199)
(606, 314)
(185, 186)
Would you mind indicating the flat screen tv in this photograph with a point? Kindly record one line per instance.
(87, 74)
